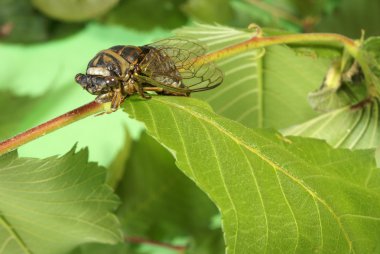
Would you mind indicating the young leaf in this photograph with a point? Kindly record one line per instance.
(54, 204)
(275, 194)
(260, 90)
(354, 128)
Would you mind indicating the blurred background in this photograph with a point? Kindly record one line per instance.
(31, 21)
(44, 43)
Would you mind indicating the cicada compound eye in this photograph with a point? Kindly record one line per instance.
(81, 79)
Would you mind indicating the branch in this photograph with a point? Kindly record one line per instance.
(50, 126)
(139, 240)
(262, 42)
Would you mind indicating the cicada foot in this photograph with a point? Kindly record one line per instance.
(161, 91)
(104, 98)
(116, 98)
(170, 93)
(142, 91)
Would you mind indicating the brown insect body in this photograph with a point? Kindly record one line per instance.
(120, 71)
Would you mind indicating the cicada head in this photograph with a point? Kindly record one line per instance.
(96, 84)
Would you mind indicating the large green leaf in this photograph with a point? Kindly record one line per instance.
(267, 91)
(275, 194)
(54, 204)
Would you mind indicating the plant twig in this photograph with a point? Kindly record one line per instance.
(261, 42)
(50, 126)
(139, 240)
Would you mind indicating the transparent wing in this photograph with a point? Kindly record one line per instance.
(177, 62)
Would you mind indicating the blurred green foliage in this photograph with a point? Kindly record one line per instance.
(40, 20)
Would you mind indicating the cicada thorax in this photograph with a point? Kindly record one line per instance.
(118, 60)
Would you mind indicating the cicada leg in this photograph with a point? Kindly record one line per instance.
(104, 98)
(160, 90)
(140, 89)
(153, 89)
(117, 99)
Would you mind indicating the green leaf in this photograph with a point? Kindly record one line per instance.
(275, 194)
(74, 11)
(372, 50)
(343, 85)
(54, 204)
(348, 127)
(117, 167)
(260, 92)
(162, 204)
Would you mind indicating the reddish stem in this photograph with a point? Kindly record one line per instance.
(140, 240)
(49, 126)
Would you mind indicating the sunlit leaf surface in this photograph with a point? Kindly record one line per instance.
(276, 194)
(54, 204)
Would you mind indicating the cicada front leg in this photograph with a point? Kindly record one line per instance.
(104, 98)
(117, 99)
(140, 89)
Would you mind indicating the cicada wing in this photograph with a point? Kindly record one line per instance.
(154, 82)
(180, 50)
(178, 62)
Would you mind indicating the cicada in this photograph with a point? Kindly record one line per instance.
(173, 66)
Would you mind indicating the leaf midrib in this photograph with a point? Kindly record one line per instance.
(13, 233)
